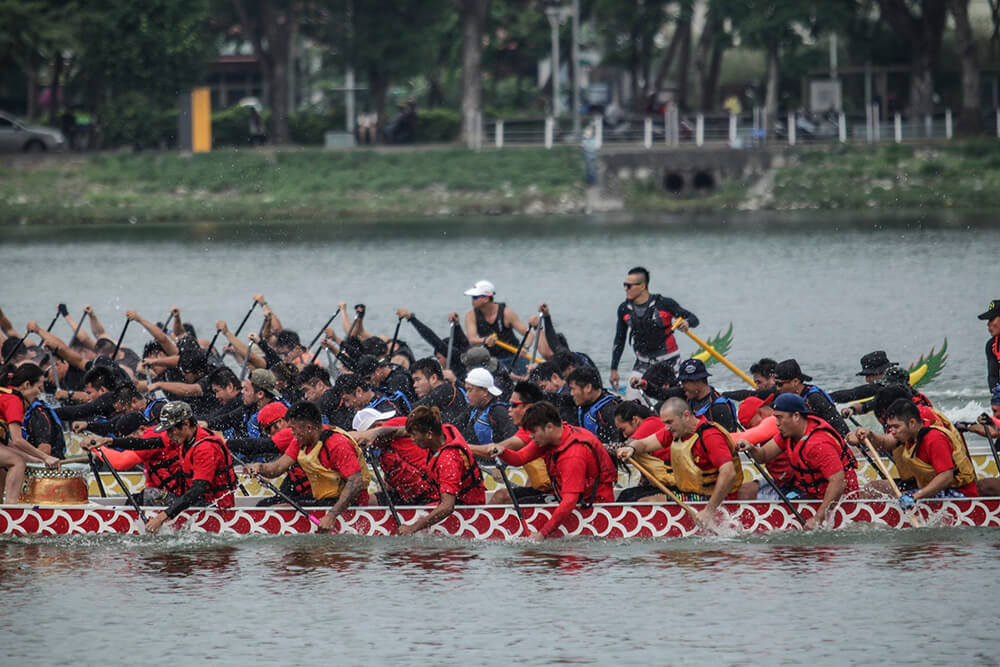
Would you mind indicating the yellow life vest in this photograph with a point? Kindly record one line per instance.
(658, 468)
(538, 474)
(688, 477)
(328, 483)
(912, 467)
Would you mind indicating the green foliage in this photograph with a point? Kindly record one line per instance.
(438, 126)
(231, 127)
(895, 152)
(135, 120)
(309, 127)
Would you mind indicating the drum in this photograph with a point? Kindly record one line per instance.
(65, 486)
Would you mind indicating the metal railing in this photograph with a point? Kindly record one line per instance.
(745, 130)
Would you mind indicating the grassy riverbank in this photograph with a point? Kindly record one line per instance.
(300, 184)
(232, 185)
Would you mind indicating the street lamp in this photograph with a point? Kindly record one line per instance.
(556, 14)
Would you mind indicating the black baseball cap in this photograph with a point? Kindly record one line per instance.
(992, 310)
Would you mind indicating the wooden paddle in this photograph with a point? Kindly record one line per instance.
(510, 348)
(278, 492)
(911, 515)
(670, 494)
(712, 351)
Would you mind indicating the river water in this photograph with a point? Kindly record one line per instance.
(824, 288)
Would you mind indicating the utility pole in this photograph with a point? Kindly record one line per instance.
(576, 69)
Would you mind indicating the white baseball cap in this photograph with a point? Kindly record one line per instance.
(365, 417)
(480, 377)
(482, 288)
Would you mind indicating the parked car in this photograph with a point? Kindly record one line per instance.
(19, 135)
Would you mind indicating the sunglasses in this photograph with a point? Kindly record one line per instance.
(517, 404)
(630, 285)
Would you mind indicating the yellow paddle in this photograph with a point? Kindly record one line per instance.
(712, 351)
(524, 353)
(911, 515)
(670, 494)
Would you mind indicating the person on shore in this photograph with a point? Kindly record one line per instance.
(489, 321)
(205, 460)
(992, 317)
(338, 474)
(935, 458)
(647, 320)
(579, 466)
(488, 417)
(19, 387)
(595, 406)
(432, 389)
(451, 467)
(704, 400)
(822, 465)
(701, 453)
(789, 379)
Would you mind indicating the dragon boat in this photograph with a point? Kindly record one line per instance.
(495, 522)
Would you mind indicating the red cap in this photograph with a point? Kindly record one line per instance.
(271, 413)
(749, 407)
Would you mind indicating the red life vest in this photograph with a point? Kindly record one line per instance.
(163, 466)
(222, 487)
(809, 479)
(296, 477)
(472, 491)
(579, 439)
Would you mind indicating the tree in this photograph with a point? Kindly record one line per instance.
(271, 27)
(712, 43)
(473, 13)
(629, 29)
(923, 29)
(970, 122)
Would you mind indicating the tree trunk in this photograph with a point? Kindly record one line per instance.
(473, 24)
(718, 49)
(702, 65)
(771, 96)
(683, 65)
(663, 69)
(32, 111)
(55, 96)
(970, 122)
(924, 32)
(379, 91)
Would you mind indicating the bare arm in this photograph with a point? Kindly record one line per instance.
(727, 473)
(439, 513)
(940, 482)
(834, 489)
(348, 494)
(95, 326)
(178, 388)
(81, 335)
(471, 331)
(156, 332)
(7, 327)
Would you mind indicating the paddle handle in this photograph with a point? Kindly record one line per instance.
(670, 494)
(725, 362)
(877, 460)
(510, 348)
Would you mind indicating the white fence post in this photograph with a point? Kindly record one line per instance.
(599, 132)
(998, 123)
(666, 127)
(877, 122)
(791, 129)
(732, 128)
(699, 128)
(928, 125)
(647, 132)
(675, 126)
(898, 122)
(480, 130)
(498, 134)
(548, 131)
(842, 129)
(947, 123)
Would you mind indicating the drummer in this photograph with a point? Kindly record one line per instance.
(19, 387)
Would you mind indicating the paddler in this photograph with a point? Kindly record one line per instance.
(205, 461)
(489, 321)
(539, 489)
(760, 426)
(330, 458)
(489, 420)
(789, 379)
(433, 389)
(579, 466)
(595, 405)
(992, 317)
(701, 453)
(704, 400)
(646, 320)
(451, 467)
(934, 457)
(19, 387)
(636, 422)
(403, 463)
(822, 465)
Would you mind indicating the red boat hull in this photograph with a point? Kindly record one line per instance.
(614, 521)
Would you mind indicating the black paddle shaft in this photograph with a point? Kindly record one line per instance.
(774, 485)
(395, 337)
(20, 344)
(131, 499)
(864, 450)
(519, 348)
(97, 474)
(121, 337)
(502, 467)
(373, 464)
(991, 441)
(278, 492)
(451, 346)
(323, 328)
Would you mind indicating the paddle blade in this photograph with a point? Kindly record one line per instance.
(721, 342)
(923, 370)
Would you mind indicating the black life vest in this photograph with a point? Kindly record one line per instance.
(649, 332)
(499, 328)
(44, 411)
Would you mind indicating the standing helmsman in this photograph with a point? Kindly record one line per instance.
(647, 321)
(992, 317)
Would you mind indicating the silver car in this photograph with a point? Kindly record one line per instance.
(19, 135)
